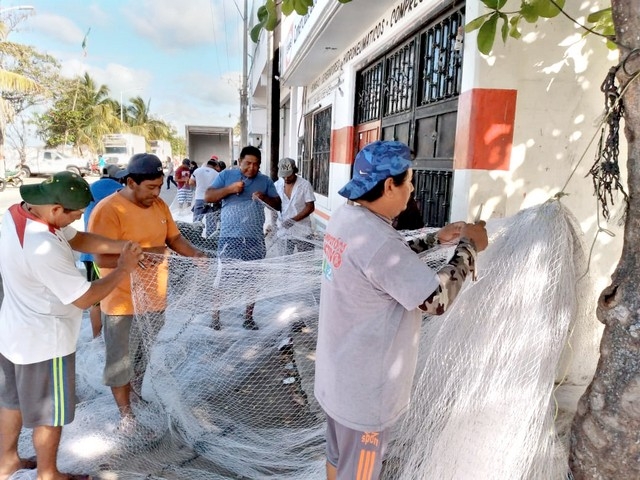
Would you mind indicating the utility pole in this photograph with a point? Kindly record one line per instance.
(243, 88)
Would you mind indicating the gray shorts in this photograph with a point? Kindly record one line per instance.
(356, 455)
(127, 347)
(44, 392)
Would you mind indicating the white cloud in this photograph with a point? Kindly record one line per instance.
(176, 25)
(119, 78)
(58, 28)
(222, 92)
(98, 15)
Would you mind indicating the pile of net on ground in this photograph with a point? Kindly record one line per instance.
(237, 403)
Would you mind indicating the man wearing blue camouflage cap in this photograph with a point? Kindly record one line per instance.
(374, 288)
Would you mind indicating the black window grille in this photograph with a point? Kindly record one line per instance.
(433, 194)
(399, 75)
(315, 167)
(369, 88)
(441, 60)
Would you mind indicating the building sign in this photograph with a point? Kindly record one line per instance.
(403, 13)
(293, 34)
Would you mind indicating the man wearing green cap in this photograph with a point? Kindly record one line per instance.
(41, 314)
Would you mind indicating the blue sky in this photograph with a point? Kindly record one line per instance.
(184, 56)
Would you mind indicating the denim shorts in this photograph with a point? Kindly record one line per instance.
(242, 248)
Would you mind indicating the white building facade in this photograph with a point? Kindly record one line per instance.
(506, 131)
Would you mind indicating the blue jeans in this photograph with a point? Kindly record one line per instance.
(211, 215)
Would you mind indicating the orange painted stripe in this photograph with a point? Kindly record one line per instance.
(484, 134)
(321, 214)
(342, 145)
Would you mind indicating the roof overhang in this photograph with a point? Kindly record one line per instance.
(311, 44)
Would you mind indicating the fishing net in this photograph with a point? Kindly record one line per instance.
(223, 401)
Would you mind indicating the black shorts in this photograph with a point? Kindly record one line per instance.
(92, 270)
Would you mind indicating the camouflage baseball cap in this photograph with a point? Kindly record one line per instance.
(63, 188)
(375, 162)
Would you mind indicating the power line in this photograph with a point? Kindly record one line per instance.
(226, 34)
(215, 41)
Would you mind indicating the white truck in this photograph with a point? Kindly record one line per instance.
(202, 141)
(161, 149)
(120, 147)
(49, 161)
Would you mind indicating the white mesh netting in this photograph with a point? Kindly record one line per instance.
(238, 403)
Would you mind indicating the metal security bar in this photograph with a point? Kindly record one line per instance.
(441, 60)
(369, 91)
(433, 194)
(399, 76)
(321, 151)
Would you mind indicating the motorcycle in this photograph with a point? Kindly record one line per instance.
(13, 179)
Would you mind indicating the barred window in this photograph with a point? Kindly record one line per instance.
(317, 141)
(398, 86)
(441, 60)
(369, 94)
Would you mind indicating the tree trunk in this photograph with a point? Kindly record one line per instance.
(605, 436)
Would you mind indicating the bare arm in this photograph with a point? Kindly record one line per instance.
(214, 195)
(127, 262)
(423, 241)
(92, 243)
(181, 245)
(308, 209)
(111, 260)
(273, 202)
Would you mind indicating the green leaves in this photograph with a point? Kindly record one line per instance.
(530, 10)
(268, 13)
(494, 4)
(546, 8)
(267, 18)
(487, 34)
(603, 24)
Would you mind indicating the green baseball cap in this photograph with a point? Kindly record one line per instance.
(63, 188)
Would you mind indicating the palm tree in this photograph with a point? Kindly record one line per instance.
(97, 112)
(10, 82)
(143, 123)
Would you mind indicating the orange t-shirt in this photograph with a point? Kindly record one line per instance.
(118, 218)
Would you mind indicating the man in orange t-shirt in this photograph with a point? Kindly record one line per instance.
(135, 213)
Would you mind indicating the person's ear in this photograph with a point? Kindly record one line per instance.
(56, 209)
(389, 186)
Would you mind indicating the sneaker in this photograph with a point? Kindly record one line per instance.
(250, 324)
